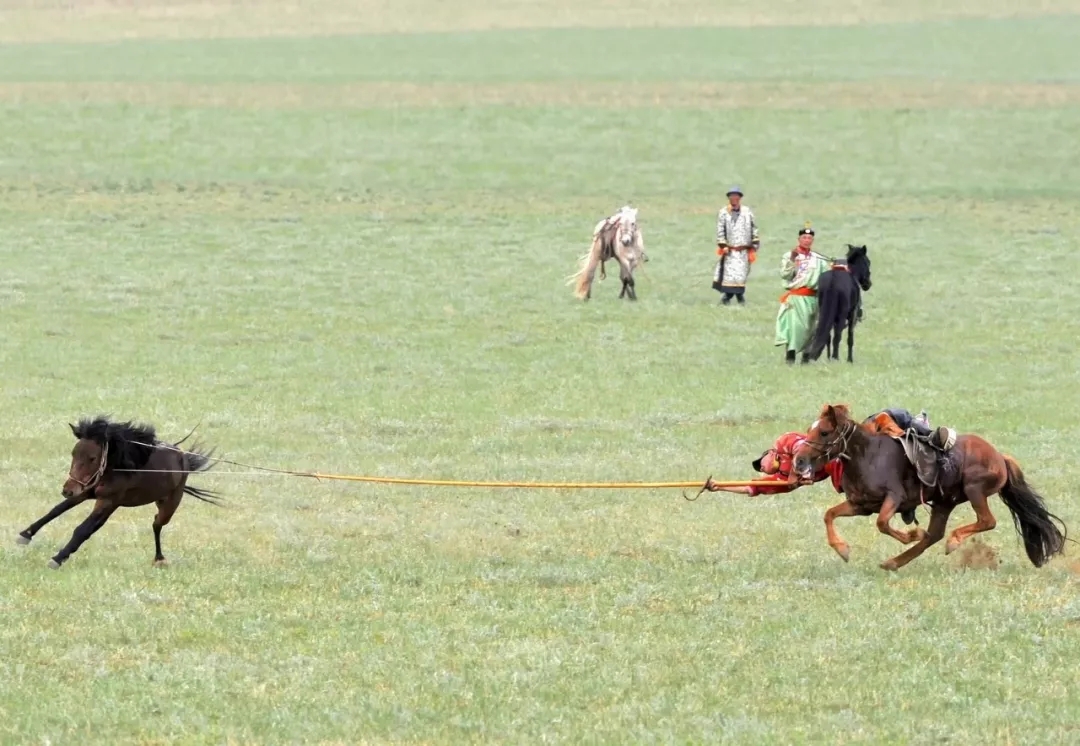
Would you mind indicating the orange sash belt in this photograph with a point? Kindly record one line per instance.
(798, 291)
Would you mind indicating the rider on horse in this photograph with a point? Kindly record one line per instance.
(776, 464)
(897, 422)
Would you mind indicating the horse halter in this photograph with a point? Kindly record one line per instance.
(96, 478)
(839, 444)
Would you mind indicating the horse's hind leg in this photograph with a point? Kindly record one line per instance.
(58, 510)
(97, 518)
(166, 510)
(939, 518)
(984, 519)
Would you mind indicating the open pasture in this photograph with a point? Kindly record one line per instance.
(339, 239)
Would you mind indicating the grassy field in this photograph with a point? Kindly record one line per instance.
(339, 239)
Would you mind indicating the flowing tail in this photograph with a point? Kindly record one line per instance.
(195, 461)
(1035, 524)
(828, 307)
(587, 268)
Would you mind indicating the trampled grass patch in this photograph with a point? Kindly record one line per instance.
(332, 267)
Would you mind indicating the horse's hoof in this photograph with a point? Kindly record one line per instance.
(161, 563)
(54, 565)
(952, 546)
(24, 540)
(844, 551)
(889, 565)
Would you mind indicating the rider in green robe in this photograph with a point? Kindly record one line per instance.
(801, 270)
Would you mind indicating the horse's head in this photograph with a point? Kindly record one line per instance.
(102, 446)
(826, 439)
(859, 265)
(89, 459)
(627, 225)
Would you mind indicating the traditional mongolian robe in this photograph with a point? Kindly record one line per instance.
(798, 306)
(737, 244)
(784, 449)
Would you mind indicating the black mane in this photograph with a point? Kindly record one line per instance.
(130, 444)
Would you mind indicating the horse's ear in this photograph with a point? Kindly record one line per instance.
(73, 430)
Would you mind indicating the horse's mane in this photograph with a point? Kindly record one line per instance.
(130, 444)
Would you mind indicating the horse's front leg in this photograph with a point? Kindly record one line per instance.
(843, 510)
(101, 512)
(939, 518)
(888, 510)
(27, 534)
(626, 274)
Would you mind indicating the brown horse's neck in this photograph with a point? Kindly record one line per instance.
(858, 442)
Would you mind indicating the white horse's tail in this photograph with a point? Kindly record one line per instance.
(587, 265)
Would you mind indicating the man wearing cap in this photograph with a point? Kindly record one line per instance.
(776, 464)
(736, 244)
(801, 270)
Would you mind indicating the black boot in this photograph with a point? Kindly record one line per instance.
(789, 358)
(805, 358)
(939, 438)
(726, 299)
(740, 298)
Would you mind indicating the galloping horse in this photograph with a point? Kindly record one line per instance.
(879, 478)
(617, 237)
(839, 303)
(121, 465)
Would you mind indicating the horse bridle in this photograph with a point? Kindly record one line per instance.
(842, 440)
(96, 478)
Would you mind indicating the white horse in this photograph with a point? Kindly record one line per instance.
(617, 237)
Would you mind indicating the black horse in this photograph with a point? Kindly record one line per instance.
(123, 465)
(839, 296)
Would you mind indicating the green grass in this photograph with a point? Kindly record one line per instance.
(377, 287)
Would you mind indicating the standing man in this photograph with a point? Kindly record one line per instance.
(801, 270)
(736, 244)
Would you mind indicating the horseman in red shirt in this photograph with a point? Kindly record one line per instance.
(776, 464)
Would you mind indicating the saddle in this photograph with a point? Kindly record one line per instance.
(926, 448)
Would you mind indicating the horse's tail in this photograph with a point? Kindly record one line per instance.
(828, 306)
(587, 268)
(193, 462)
(1035, 524)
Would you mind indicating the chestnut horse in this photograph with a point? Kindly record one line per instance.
(879, 478)
(121, 465)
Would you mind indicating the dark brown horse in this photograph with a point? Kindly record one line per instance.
(122, 465)
(879, 478)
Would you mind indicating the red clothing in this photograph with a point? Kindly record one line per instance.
(785, 447)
